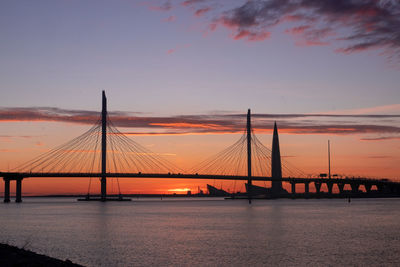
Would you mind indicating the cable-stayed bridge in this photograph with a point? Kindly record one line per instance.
(104, 152)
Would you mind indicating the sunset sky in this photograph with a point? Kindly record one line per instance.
(180, 75)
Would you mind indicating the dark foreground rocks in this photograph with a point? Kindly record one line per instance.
(15, 257)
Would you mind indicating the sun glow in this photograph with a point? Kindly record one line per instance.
(179, 190)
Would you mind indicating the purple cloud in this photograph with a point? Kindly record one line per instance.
(340, 124)
(352, 26)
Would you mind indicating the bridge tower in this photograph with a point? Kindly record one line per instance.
(276, 165)
(249, 181)
(104, 148)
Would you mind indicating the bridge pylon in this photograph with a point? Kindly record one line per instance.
(104, 148)
(249, 180)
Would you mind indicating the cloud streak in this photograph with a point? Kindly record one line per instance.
(380, 138)
(170, 19)
(166, 6)
(219, 123)
(178, 47)
(201, 11)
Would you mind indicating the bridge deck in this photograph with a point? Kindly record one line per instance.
(12, 175)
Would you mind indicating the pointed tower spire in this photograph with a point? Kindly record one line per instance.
(276, 166)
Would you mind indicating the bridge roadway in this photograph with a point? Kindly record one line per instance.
(382, 185)
(10, 175)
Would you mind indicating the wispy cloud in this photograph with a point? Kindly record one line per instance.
(201, 11)
(177, 48)
(380, 138)
(9, 138)
(380, 157)
(165, 6)
(5, 150)
(48, 114)
(388, 109)
(18, 136)
(377, 126)
(54, 114)
(170, 19)
(170, 51)
(192, 2)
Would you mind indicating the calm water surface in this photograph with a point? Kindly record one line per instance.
(208, 232)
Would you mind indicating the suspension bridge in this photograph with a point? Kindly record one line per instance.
(105, 152)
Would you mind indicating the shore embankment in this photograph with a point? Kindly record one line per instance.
(14, 256)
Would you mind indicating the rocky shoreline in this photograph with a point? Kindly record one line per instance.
(14, 256)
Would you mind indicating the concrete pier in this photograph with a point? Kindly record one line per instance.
(354, 187)
(330, 187)
(341, 187)
(6, 190)
(293, 187)
(307, 188)
(18, 191)
(368, 188)
(317, 187)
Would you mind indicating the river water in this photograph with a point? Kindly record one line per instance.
(208, 232)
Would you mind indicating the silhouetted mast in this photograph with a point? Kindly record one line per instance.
(104, 147)
(249, 183)
(329, 159)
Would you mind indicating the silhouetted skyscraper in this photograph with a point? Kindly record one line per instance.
(276, 166)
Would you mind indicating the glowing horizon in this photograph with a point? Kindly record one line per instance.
(138, 186)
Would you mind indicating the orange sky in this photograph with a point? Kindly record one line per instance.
(350, 156)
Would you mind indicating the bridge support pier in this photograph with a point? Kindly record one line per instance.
(293, 188)
(6, 190)
(381, 188)
(354, 187)
(341, 188)
(330, 187)
(368, 188)
(307, 188)
(103, 189)
(392, 189)
(317, 187)
(18, 191)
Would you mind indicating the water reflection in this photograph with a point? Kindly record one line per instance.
(223, 233)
